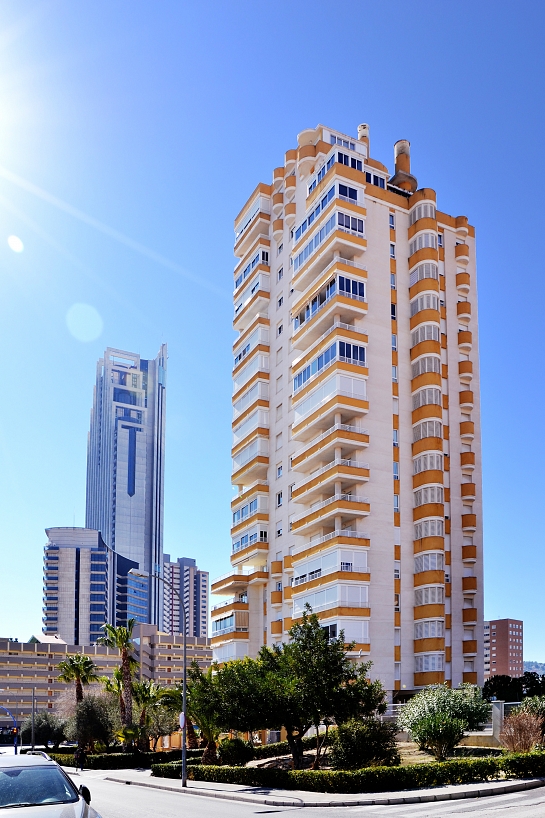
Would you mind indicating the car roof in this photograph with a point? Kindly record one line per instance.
(25, 760)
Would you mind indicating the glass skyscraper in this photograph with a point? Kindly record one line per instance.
(125, 467)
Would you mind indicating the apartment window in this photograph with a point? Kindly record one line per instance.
(396, 470)
(279, 440)
(279, 471)
(343, 159)
(392, 221)
(373, 179)
(349, 193)
(429, 428)
(392, 251)
(423, 211)
(396, 503)
(440, 240)
(280, 274)
(422, 241)
(278, 499)
(434, 561)
(429, 528)
(278, 586)
(279, 383)
(135, 381)
(279, 302)
(337, 140)
(397, 604)
(424, 302)
(279, 411)
(393, 281)
(395, 437)
(397, 570)
(430, 363)
(394, 374)
(393, 312)
(426, 397)
(280, 248)
(428, 462)
(279, 531)
(280, 329)
(430, 595)
(279, 355)
(394, 343)
(426, 332)
(290, 490)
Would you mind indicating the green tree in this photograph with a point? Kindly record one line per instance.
(120, 638)
(504, 688)
(465, 702)
(202, 706)
(79, 669)
(240, 688)
(312, 680)
(161, 721)
(92, 723)
(146, 695)
(114, 685)
(48, 729)
(439, 733)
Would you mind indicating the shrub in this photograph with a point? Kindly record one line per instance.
(536, 706)
(438, 733)
(524, 765)
(281, 748)
(127, 761)
(235, 752)
(367, 743)
(465, 702)
(521, 731)
(372, 779)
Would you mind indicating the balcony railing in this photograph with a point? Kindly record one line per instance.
(331, 264)
(344, 427)
(339, 532)
(336, 325)
(339, 461)
(337, 359)
(241, 572)
(229, 629)
(261, 209)
(239, 547)
(337, 498)
(297, 326)
(343, 566)
(336, 393)
(231, 601)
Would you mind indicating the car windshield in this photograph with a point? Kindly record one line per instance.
(25, 786)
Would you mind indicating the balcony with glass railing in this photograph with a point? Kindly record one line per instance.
(338, 536)
(318, 317)
(338, 395)
(254, 299)
(322, 447)
(345, 507)
(256, 222)
(238, 579)
(340, 470)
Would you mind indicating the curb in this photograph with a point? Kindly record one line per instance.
(412, 798)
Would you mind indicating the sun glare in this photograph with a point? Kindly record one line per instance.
(16, 244)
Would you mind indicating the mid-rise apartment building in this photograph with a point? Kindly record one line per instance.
(80, 575)
(25, 666)
(356, 428)
(503, 647)
(125, 465)
(186, 582)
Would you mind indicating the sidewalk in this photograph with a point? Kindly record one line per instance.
(296, 798)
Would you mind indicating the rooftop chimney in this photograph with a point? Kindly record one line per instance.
(403, 177)
(363, 135)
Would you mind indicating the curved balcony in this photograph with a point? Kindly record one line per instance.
(467, 461)
(289, 188)
(277, 598)
(467, 430)
(290, 160)
(321, 448)
(469, 553)
(277, 204)
(465, 340)
(469, 585)
(430, 677)
(462, 226)
(470, 616)
(465, 371)
(466, 399)
(278, 178)
(469, 523)
(290, 211)
(306, 157)
(278, 229)
(343, 471)
(463, 310)
(468, 491)
(461, 254)
(463, 282)
(424, 254)
(346, 506)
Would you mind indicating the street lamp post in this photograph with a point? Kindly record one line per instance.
(183, 721)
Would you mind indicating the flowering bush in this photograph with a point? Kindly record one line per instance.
(465, 702)
(439, 733)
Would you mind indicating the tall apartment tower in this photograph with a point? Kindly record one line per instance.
(191, 585)
(125, 464)
(356, 436)
(80, 575)
(503, 647)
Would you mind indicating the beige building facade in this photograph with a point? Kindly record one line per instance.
(356, 428)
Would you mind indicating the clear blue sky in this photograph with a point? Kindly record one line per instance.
(157, 119)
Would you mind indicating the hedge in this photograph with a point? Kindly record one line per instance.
(126, 761)
(372, 779)
(282, 748)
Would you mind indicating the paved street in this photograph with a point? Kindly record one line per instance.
(114, 800)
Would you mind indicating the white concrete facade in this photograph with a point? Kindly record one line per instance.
(192, 585)
(356, 447)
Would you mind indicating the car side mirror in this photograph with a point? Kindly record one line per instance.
(85, 794)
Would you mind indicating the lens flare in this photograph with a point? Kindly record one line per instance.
(16, 244)
(84, 322)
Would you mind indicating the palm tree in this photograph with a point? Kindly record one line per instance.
(115, 686)
(120, 638)
(201, 707)
(79, 669)
(146, 694)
